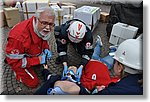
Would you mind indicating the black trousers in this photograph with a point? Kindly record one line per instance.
(48, 84)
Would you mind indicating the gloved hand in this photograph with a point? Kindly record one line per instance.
(79, 73)
(42, 59)
(48, 53)
(61, 59)
(65, 70)
(84, 62)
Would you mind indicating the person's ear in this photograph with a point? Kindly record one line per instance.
(120, 67)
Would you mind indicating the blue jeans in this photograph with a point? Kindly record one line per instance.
(108, 60)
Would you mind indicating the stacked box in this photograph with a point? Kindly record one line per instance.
(67, 4)
(88, 14)
(104, 17)
(68, 10)
(29, 7)
(121, 32)
(9, 3)
(59, 15)
(19, 6)
(12, 16)
(67, 17)
(2, 19)
(53, 3)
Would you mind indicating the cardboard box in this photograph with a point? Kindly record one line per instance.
(66, 4)
(104, 17)
(19, 6)
(68, 10)
(67, 18)
(12, 16)
(59, 15)
(29, 7)
(88, 14)
(121, 32)
(2, 19)
(53, 3)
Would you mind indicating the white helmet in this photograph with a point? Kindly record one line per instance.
(76, 31)
(129, 53)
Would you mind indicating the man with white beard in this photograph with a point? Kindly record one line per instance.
(27, 45)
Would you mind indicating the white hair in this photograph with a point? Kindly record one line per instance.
(42, 9)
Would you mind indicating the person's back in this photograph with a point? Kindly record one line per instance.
(95, 74)
(128, 65)
(79, 35)
(20, 29)
(127, 86)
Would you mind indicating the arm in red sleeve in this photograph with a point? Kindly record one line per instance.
(16, 56)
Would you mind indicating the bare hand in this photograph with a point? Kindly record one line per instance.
(65, 63)
(45, 66)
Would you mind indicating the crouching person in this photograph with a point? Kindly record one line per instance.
(128, 64)
(67, 84)
(27, 45)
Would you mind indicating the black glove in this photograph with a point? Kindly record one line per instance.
(61, 59)
(84, 62)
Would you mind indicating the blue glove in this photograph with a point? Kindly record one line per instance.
(64, 71)
(79, 73)
(43, 60)
(48, 53)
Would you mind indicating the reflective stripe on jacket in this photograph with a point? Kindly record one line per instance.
(24, 46)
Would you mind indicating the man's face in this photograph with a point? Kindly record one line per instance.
(45, 23)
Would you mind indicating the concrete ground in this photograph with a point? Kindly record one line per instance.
(11, 86)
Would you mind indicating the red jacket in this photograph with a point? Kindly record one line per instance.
(96, 74)
(24, 46)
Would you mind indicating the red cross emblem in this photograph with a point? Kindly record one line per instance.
(88, 44)
(15, 51)
(77, 33)
(63, 41)
(77, 37)
(79, 26)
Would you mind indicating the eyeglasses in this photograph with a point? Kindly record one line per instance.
(44, 23)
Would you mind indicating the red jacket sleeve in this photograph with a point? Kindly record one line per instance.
(15, 55)
(46, 45)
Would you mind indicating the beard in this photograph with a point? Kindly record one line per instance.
(44, 34)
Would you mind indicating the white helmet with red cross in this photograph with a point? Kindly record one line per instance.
(76, 31)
